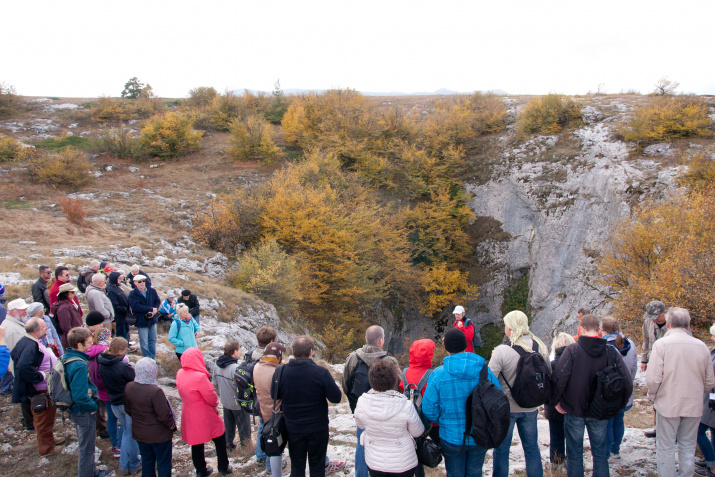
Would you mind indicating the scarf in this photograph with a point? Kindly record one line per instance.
(518, 323)
(146, 371)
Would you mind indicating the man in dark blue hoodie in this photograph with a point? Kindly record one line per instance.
(120, 305)
(304, 387)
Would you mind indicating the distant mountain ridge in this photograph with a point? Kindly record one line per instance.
(441, 91)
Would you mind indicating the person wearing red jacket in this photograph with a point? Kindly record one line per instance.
(62, 276)
(200, 421)
(460, 322)
(421, 354)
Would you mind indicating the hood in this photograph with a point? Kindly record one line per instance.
(94, 350)
(109, 359)
(594, 346)
(383, 405)
(369, 353)
(224, 361)
(626, 345)
(88, 272)
(463, 365)
(114, 278)
(193, 359)
(421, 354)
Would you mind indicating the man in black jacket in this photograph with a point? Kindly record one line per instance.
(575, 388)
(120, 303)
(40, 294)
(28, 356)
(145, 303)
(304, 387)
(191, 301)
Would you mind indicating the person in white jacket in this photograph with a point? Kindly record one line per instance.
(390, 422)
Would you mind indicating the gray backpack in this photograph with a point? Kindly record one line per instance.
(58, 388)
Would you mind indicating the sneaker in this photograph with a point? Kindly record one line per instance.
(209, 470)
(334, 466)
(116, 451)
(231, 446)
(650, 434)
(59, 440)
(229, 470)
(701, 471)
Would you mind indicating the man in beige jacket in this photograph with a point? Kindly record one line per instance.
(679, 372)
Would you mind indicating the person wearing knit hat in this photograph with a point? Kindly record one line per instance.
(153, 419)
(93, 319)
(191, 300)
(445, 401)
(503, 364)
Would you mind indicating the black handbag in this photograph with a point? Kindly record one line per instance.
(274, 435)
(130, 319)
(39, 403)
(429, 453)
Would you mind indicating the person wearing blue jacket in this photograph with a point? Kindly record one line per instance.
(4, 353)
(445, 401)
(84, 394)
(184, 331)
(145, 303)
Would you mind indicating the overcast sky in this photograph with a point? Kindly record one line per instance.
(91, 48)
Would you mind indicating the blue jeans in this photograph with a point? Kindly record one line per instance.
(615, 431)
(707, 446)
(147, 341)
(115, 432)
(85, 424)
(259, 452)
(574, 427)
(557, 441)
(129, 457)
(467, 464)
(156, 454)
(529, 434)
(360, 464)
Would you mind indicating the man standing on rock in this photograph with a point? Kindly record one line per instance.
(145, 303)
(679, 373)
(62, 276)
(355, 381)
(40, 294)
(32, 364)
(654, 328)
(97, 299)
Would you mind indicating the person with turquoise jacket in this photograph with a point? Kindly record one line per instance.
(184, 330)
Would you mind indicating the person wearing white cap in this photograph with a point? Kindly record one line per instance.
(145, 303)
(465, 325)
(14, 326)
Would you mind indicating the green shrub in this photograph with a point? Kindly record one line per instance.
(68, 168)
(270, 273)
(169, 135)
(108, 109)
(61, 142)
(9, 101)
(200, 97)
(13, 151)
(253, 139)
(669, 117)
(120, 142)
(549, 114)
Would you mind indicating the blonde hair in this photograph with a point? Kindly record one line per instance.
(180, 308)
(561, 340)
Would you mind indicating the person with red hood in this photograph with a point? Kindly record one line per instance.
(421, 354)
(465, 325)
(200, 420)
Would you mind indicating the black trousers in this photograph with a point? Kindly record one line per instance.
(377, 473)
(197, 455)
(27, 419)
(314, 446)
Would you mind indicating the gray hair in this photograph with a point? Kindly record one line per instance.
(374, 334)
(33, 325)
(135, 268)
(98, 278)
(678, 317)
(33, 308)
(561, 340)
(94, 264)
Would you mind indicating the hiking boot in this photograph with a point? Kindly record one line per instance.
(54, 451)
(103, 435)
(650, 434)
(209, 470)
(229, 470)
(334, 466)
(59, 440)
(231, 446)
(701, 470)
(104, 473)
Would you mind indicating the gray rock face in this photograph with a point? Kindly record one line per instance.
(558, 224)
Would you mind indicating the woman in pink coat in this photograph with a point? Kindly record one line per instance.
(200, 421)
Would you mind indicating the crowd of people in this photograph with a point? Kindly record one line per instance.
(584, 382)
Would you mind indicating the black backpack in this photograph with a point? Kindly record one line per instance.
(359, 382)
(246, 396)
(273, 437)
(56, 323)
(414, 394)
(81, 285)
(532, 386)
(488, 413)
(613, 388)
(477, 340)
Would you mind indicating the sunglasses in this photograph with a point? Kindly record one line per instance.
(139, 281)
